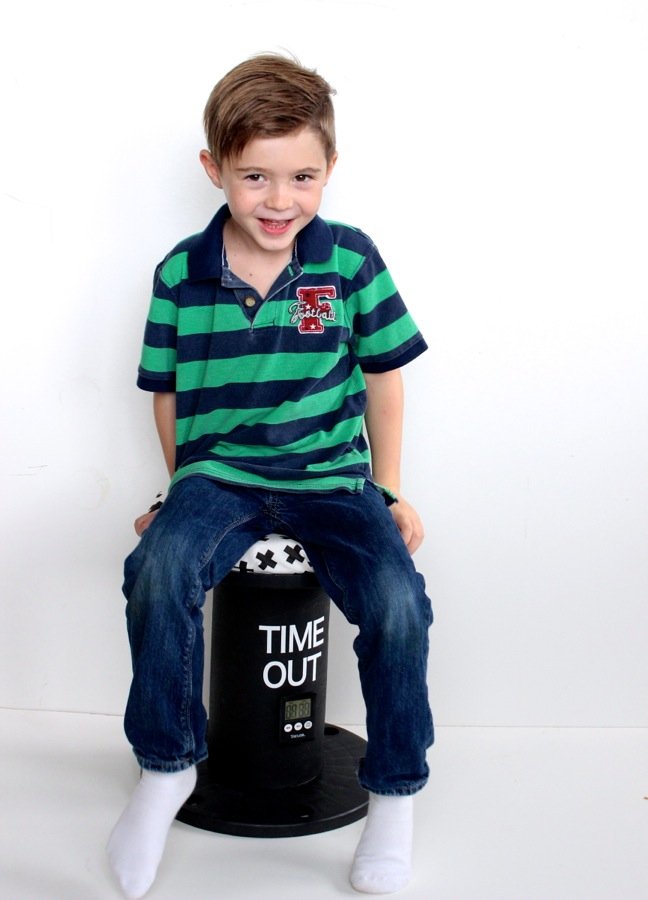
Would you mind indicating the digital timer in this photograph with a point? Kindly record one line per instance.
(297, 719)
(298, 709)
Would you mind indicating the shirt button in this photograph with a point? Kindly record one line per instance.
(250, 302)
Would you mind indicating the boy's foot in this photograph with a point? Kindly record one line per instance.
(137, 842)
(383, 860)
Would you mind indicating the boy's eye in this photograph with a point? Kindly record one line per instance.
(254, 177)
(302, 178)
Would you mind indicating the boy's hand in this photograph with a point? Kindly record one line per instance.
(142, 522)
(409, 524)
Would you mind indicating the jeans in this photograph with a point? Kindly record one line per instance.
(361, 561)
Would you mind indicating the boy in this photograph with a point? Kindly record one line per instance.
(272, 337)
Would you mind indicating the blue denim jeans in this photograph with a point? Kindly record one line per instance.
(361, 561)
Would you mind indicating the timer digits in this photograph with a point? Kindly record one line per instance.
(297, 709)
(297, 719)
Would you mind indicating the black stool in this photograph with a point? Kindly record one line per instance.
(275, 768)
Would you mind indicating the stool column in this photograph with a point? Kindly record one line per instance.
(268, 680)
(275, 769)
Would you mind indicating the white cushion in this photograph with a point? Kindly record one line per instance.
(275, 554)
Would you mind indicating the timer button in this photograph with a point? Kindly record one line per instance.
(298, 726)
(288, 728)
(308, 724)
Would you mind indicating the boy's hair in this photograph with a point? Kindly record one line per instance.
(268, 95)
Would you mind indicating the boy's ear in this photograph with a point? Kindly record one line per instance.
(209, 165)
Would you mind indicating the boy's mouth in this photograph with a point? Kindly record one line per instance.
(275, 226)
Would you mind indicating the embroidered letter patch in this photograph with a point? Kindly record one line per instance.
(311, 310)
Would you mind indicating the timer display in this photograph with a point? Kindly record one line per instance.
(298, 709)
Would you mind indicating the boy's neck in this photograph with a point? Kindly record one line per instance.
(257, 267)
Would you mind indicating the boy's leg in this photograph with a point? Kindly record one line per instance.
(193, 542)
(200, 531)
(361, 560)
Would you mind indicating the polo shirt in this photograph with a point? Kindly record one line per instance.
(270, 392)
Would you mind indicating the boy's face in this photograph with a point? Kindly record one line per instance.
(273, 189)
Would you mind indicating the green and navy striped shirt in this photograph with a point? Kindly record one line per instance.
(271, 392)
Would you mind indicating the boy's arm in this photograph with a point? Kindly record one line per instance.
(164, 413)
(384, 422)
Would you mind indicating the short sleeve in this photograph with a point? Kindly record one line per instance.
(157, 369)
(385, 335)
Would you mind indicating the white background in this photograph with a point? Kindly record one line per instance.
(496, 152)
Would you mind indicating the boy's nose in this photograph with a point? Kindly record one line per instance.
(279, 198)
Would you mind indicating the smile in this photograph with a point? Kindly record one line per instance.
(275, 226)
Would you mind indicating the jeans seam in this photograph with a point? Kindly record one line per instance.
(210, 552)
(342, 594)
(189, 736)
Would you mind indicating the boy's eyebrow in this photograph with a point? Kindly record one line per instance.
(310, 170)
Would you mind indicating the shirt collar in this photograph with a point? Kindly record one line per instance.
(205, 257)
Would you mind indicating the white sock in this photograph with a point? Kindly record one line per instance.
(137, 842)
(383, 860)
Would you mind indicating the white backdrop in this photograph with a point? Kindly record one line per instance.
(497, 154)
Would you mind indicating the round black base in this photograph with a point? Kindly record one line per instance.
(330, 801)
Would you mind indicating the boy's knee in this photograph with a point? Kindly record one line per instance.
(402, 612)
(149, 567)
